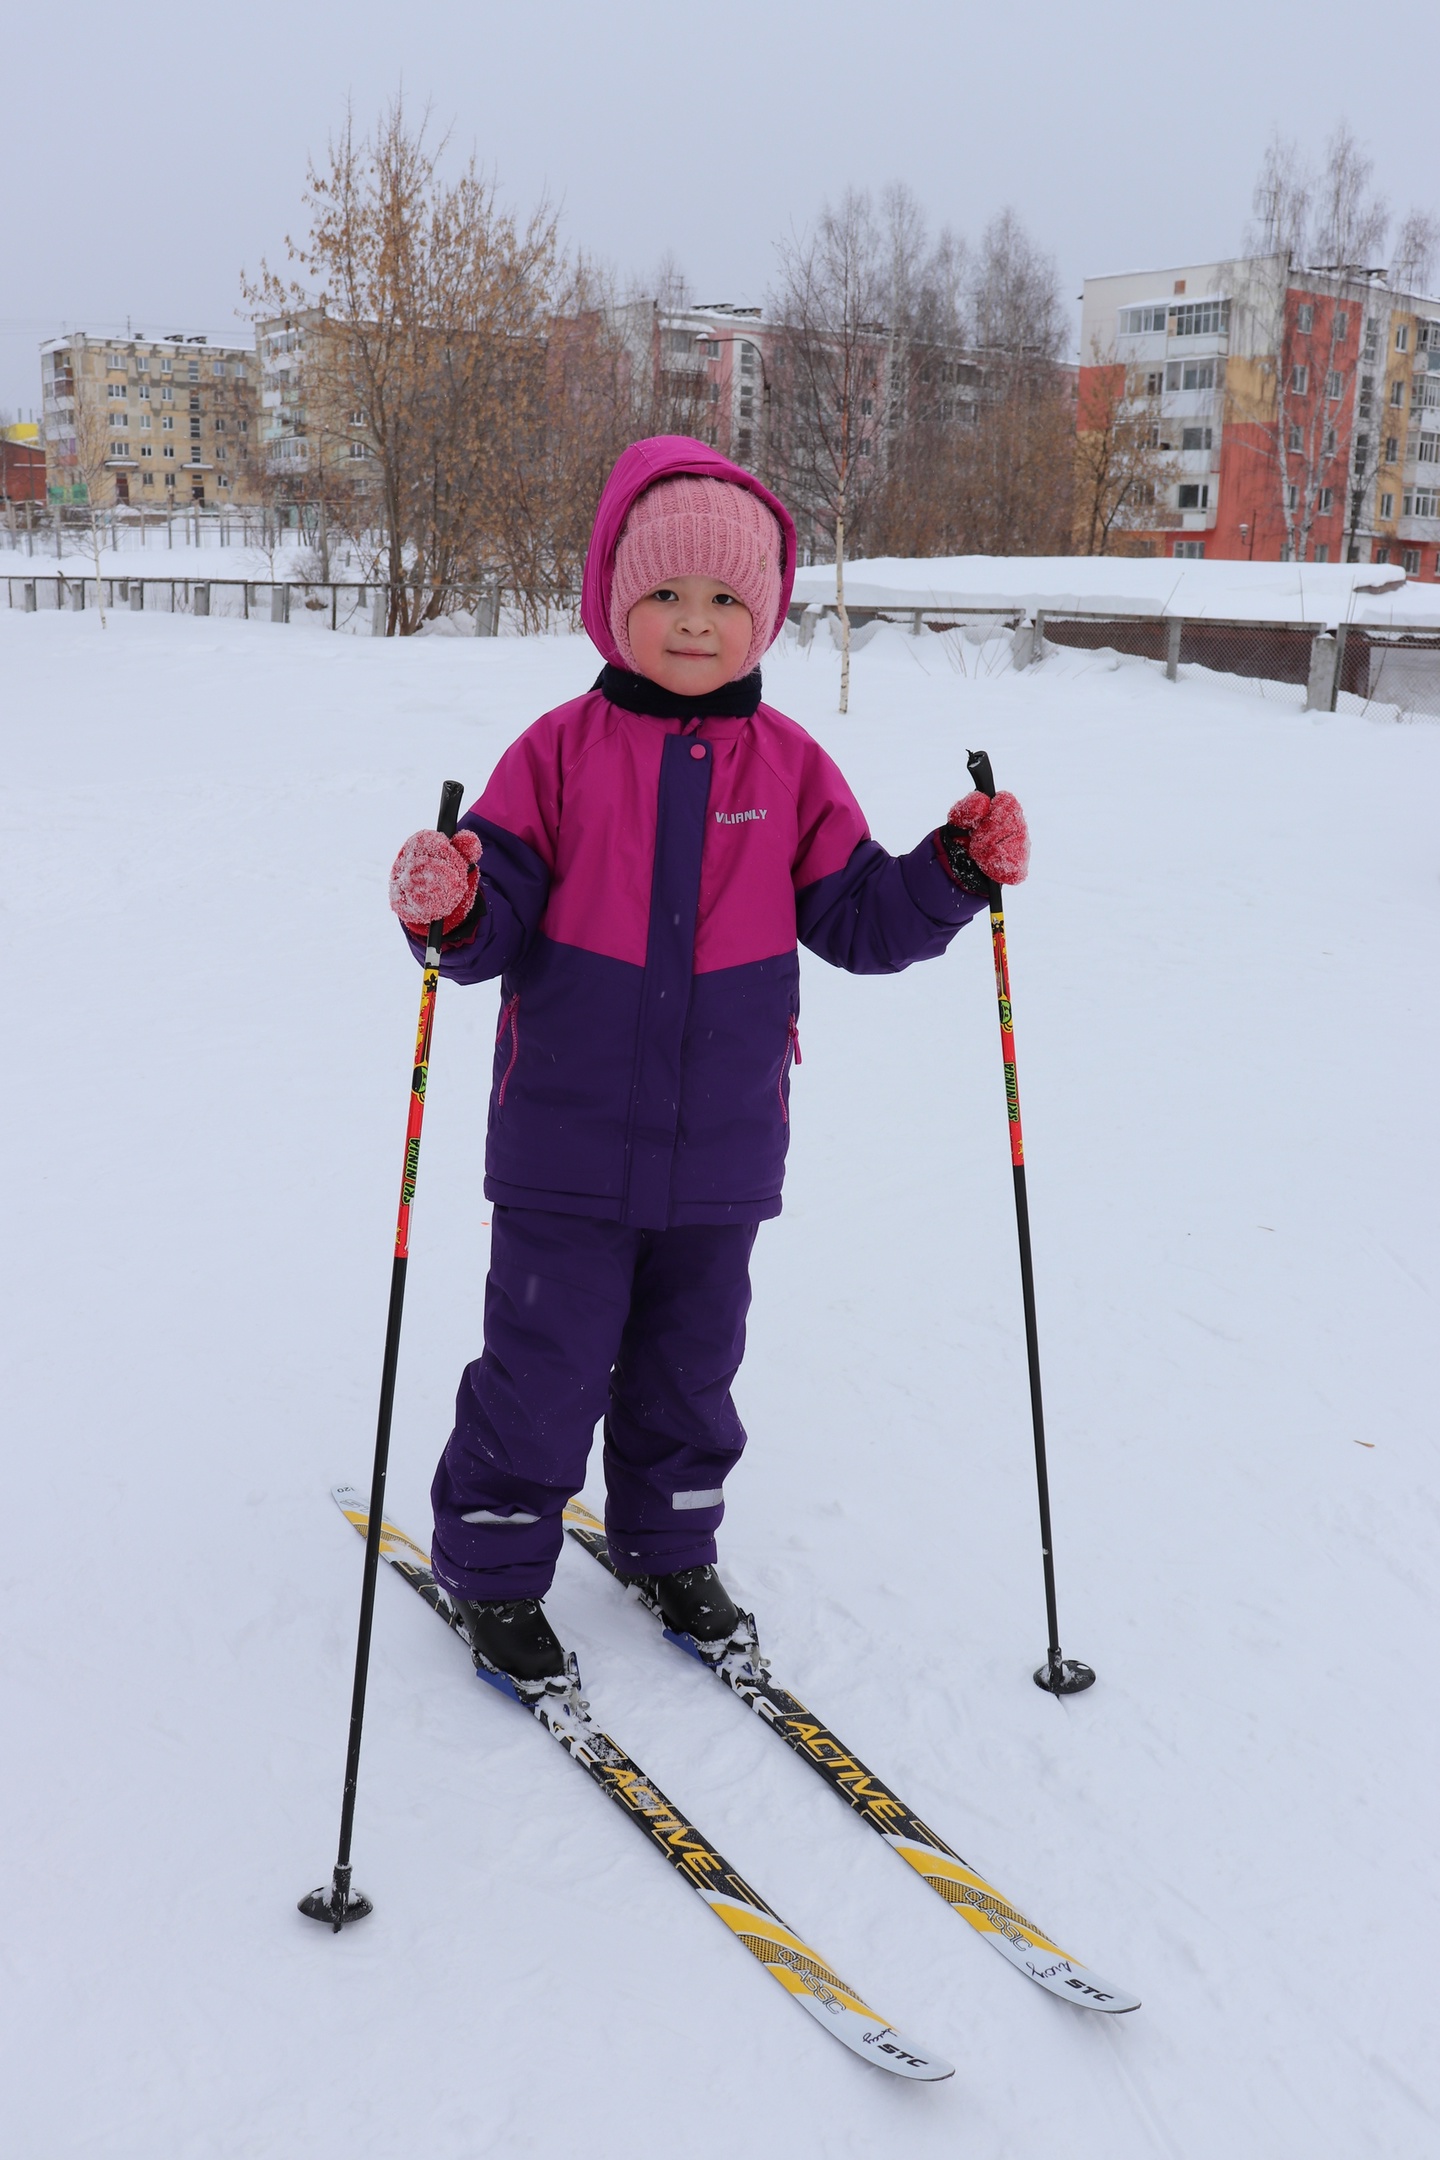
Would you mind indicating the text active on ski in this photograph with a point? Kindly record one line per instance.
(745, 1672)
(803, 1974)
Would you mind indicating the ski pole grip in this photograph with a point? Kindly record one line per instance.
(978, 766)
(451, 797)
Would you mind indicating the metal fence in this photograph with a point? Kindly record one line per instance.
(358, 610)
(1297, 664)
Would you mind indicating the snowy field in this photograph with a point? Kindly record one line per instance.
(1224, 972)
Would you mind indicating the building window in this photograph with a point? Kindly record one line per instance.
(1422, 502)
(167, 422)
(1299, 380)
(219, 450)
(1297, 440)
(1327, 502)
(145, 450)
(1189, 550)
(1387, 506)
(1428, 450)
(1397, 391)
(1154, 382)
(1192, 375)
(219, 367)
(1141, 321)
(1292, 497)
(1322, 551)
(360, 450)
(1329, 445)
(1402, 343)
(166, 364)
(115, 390)
(1342, 327)
(168, 451)
(167, 395)
(193, 371)
(1305, 319)
(195, 427)
(1334, 384)
(1382, 554)
(1202, 318)
(1192, 495)
(142, 364)
(1196, 438)
(357, 418)
(1410, 561)
(143, 393)
(147, 479)
(1392, 449)
(119, 449)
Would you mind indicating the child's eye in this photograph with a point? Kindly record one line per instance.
(725, 599)
(665, 592)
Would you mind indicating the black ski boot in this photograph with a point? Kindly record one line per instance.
(514, 1641)
(696, 1603)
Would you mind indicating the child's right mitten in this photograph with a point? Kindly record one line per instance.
(435, 879)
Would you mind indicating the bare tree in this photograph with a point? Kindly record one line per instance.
(833, 354)
(1120, 464)
(91, 467)
(428, 306)
(1316, 241)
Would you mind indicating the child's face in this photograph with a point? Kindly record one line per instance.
(690, 636)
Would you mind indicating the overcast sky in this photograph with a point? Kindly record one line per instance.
(148, 155)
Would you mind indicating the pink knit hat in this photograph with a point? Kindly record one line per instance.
(695, 527)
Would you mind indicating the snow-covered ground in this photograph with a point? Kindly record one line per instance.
(1224, 970)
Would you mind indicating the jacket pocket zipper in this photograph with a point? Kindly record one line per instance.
(792, 1055)
(509, 1018)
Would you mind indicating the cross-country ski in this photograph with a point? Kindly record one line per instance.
(564, 1714)
(741, 1667)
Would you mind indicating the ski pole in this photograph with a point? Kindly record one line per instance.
(339, 1903)
(1061, 1676)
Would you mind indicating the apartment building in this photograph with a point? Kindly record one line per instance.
(306, 426)
(1299, 409)
(713, 368)
(149, 421)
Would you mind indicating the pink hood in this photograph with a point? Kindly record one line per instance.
(661, 457)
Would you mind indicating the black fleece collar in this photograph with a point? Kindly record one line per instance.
(638, 694)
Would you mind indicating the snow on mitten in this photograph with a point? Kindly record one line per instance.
(985, 841)
(435, 880)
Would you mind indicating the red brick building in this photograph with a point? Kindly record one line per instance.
(1298, 410)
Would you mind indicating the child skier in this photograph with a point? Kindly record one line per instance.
(637, 873)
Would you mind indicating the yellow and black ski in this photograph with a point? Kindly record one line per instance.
(803, 1974)
(744, 1671)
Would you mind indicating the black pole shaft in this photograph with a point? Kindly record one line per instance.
(1037, 1412)
(341, 1904)
(388, 1368)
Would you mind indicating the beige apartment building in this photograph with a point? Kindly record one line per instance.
(154, 422)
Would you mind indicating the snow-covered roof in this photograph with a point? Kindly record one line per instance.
(1377, 594)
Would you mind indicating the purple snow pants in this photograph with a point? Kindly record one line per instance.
(583, 1320)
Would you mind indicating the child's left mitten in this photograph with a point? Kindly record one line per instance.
(435, 880)
(984, 842)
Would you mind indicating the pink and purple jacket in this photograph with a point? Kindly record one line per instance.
(647, 874)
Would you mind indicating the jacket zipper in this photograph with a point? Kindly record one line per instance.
(509, 1018)
(792, 1055)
